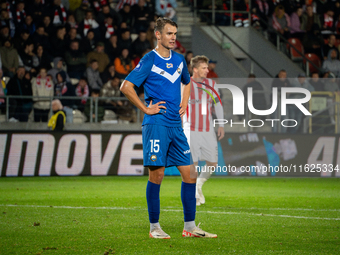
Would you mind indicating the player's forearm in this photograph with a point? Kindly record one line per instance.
(219, 112)
(127, 89)
(186, 94)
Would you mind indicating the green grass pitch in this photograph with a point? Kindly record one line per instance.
(108, 215)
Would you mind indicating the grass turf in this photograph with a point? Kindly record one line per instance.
(108, 215)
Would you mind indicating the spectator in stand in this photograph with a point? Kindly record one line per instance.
(100, 111)
(166, 8)
(58, 120)
(221, 19)
(80, 12)
(316, 82)
(42, 86)
(4, 34)
(49, 29)
(108, 74)
(179, 47)
(9, 59)
(21, 41)
(121, 3)
(321, 6)
(280, 22)
(19, 13)
(6, 21)
(292, 111)
(309, 18)
(313, 41)
(99, 55)
(332, 64)
(106, 12)
(28, 25)
(89, 23)
(57, 13)
(211, 66)
(75, 60)
(27, 58)
(83, 91)
(62, 89)
(259, 100)
(124, 64)
(107, 29)
(72, 36)
(40, 38)
(36, 9)
(88, 43)
(71, 22)
(127, 15)
(150, 34)
(140, 45)
(111, 47)
(328, 21)
(141, 14)
(19, 85)
(58, 43)
(188, 56)
(125, 40)
(58, 65)
(111, 89)
(330, 46)
(41, 59)
(263, 10)
(279, 82)
(295, 26)
(93, 75)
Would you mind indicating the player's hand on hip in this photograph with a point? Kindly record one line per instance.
(220, 133)
(182, 109)
(156, 108)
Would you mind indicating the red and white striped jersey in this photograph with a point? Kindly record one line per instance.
(193, 118)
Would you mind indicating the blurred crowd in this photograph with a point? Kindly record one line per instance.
(77, 48)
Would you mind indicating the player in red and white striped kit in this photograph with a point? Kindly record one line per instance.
(198, 123)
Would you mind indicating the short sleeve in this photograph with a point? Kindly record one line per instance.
(139, 74)
(185, 73)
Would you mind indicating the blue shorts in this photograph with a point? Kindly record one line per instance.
(165, 146)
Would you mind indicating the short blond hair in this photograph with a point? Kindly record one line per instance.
(196, 61)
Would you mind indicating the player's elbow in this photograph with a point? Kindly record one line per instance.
(123, 88)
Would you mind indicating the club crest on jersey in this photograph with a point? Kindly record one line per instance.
(169, 65)
(179, 70)
(153, 158)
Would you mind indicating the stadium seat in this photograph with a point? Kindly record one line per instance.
(315, 59)
(78, 117)
(2, 117)
(294, 55)
(110, 115)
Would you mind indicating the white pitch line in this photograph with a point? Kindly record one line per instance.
(278, 209)
(171, 210)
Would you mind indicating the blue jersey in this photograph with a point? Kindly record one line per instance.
(161, 78)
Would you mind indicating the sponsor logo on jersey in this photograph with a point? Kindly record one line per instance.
(179, 70)
(161, 73)
(169, 65)
(153, 158)
(186, 152)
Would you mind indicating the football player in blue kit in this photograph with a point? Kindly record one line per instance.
(161, 72)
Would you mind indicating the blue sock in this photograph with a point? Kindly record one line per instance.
(188, 192)
(152, 198)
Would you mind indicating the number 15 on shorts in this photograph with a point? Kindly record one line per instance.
(154, 145)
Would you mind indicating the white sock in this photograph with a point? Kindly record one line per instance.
(189, 225)
(154, 225)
